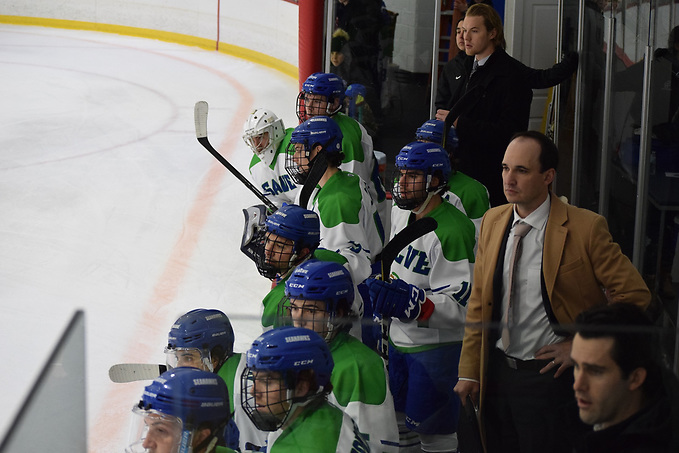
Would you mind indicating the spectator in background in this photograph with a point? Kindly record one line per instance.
(363, 20)
(340, 55)
(496, 100)
(499, 95)
(453, 78)
(626, 397)
(463, 5)
(454, 75)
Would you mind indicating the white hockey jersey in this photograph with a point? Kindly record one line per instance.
(350, 225)
(441, 263)
(272, 178)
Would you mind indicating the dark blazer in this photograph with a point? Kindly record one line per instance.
(497, 105)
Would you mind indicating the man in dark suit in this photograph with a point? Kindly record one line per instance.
(568, 263)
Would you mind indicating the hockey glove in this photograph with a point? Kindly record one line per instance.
(398, 299)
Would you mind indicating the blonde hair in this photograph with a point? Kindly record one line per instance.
(492, 21)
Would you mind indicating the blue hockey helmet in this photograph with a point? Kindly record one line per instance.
(319, 130)
(270, 249)
(419, 158)
(324, 84)
(432, 131)
(324, 281)
(284, 356)
(176, 403)
(294, 222)
(289, 350)
(205, 330)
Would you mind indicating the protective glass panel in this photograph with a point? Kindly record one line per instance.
(53, 418)
(384, 54)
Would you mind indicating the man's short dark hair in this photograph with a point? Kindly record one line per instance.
(549, 154)
(635, 338)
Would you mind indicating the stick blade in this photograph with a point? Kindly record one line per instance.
(130, 372)
(200, 117)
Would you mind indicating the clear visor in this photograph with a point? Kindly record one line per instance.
(152, 431)
(189, 357)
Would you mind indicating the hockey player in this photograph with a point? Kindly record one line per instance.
(426, 299)
(285, 391)
(318, 297)
(203, 339)
(349, 221)
(465, 193)
(290, 236)
(184, 410)
(266, 136)
(323, 95)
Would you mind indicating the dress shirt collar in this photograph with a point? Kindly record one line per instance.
(483, 61)
(538, 218)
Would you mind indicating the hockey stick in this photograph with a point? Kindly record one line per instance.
(130, 372)
(469, 430)
(389, 253)
(315, 174)
(200, 118)
(463, 104)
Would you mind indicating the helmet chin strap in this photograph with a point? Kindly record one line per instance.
(292, 265)
(331, 331)
(298, 402)
(426, 201)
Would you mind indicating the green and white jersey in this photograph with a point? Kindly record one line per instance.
(359, 159)
(469, 196)
(360, 388)
(319, 428)
(231, 373)
(273, 299)
(441, 263)
(268, 173)
(350, 225)
(248, 434)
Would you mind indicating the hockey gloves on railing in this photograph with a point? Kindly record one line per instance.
(398, 299)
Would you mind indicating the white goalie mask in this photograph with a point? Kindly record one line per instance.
(263, 131)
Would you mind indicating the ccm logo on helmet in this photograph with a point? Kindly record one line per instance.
(304, 362)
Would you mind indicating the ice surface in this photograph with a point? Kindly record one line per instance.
(108, 203)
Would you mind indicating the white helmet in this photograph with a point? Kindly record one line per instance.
(261, 122)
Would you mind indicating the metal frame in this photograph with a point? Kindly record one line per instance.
(435, 58)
